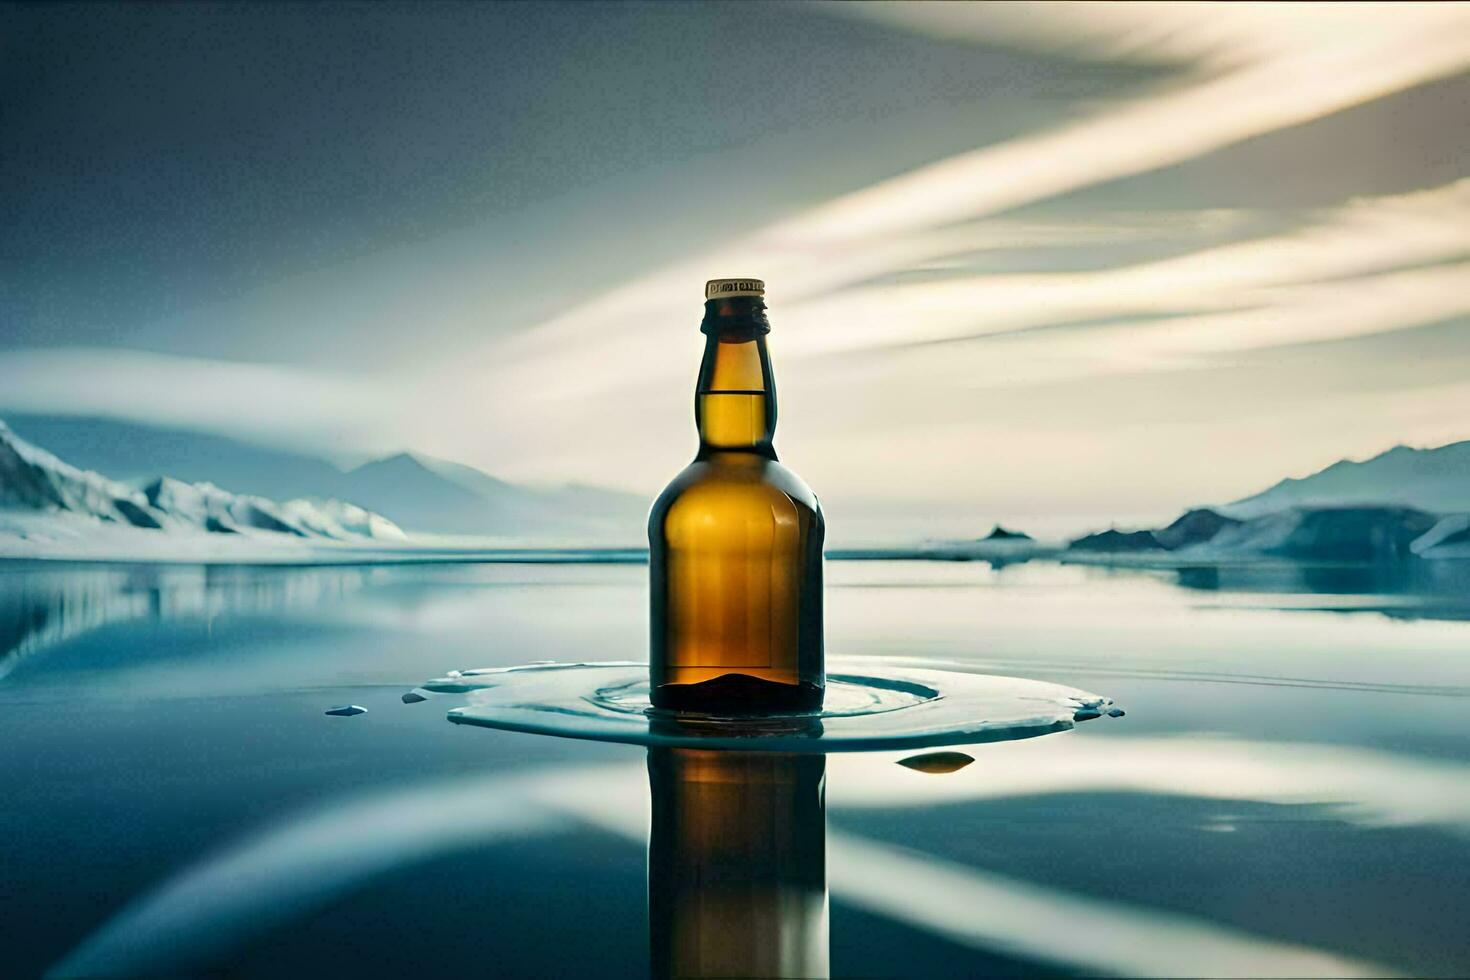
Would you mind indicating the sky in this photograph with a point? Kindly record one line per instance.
(1039, 263)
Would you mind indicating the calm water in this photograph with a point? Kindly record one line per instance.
(1289, 791)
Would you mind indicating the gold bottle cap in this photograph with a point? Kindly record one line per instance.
(720, 288)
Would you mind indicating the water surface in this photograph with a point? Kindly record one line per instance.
(1290, 789)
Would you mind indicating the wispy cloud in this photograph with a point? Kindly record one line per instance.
(312, 407)
(877, 292)
(1280, 282)
(1258, 69)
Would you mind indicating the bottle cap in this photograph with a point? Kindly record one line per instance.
(721, 288)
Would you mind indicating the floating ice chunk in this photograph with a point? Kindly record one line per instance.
(1116, 712)
(346, 710)
(413, 697)
(937, 763)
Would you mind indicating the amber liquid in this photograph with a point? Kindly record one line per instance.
(737, 881)
(735, 546)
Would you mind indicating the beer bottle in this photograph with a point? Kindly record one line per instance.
(735, 541)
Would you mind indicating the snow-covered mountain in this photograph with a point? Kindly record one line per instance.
(1435, 480)
(416, 492)
(1312, 534)
(427, 494)
(32, 479)
(34, 483)
(134, 453)
(1400, 504)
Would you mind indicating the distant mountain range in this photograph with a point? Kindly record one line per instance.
(1433, 480)
(1402, 503)
(415, 492)
(1399, 504)
(34, 482)
(1328, 534)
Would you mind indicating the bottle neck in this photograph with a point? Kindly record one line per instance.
(735, 400)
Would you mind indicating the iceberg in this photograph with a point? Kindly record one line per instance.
(1448, 538)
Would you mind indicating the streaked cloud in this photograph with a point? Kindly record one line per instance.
(314, 408)
(1345, 251)
(1347, 272)
(900, 334)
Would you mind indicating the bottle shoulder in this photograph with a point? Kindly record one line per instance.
(717, 483)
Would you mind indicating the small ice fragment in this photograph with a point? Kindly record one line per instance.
(454, 673)
(1086, 714)
(346, 710)
(1116, 712)
(413, 697)
(937, 763)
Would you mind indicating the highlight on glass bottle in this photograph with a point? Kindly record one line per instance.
(735, 541)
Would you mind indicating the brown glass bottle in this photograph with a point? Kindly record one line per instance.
(735, 541)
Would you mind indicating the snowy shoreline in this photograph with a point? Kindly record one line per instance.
(73, 538)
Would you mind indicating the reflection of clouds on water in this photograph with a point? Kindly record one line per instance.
(1170, 673)
(1364, 786)
(282, 875)
(225, 901)
(1092, 935)
(41, 607)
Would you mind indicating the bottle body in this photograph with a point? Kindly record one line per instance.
(735, 547)
(736, 558)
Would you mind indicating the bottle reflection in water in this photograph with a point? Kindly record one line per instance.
(735, 541)
(737, 873)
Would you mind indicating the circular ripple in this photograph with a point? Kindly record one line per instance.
(869, 706)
